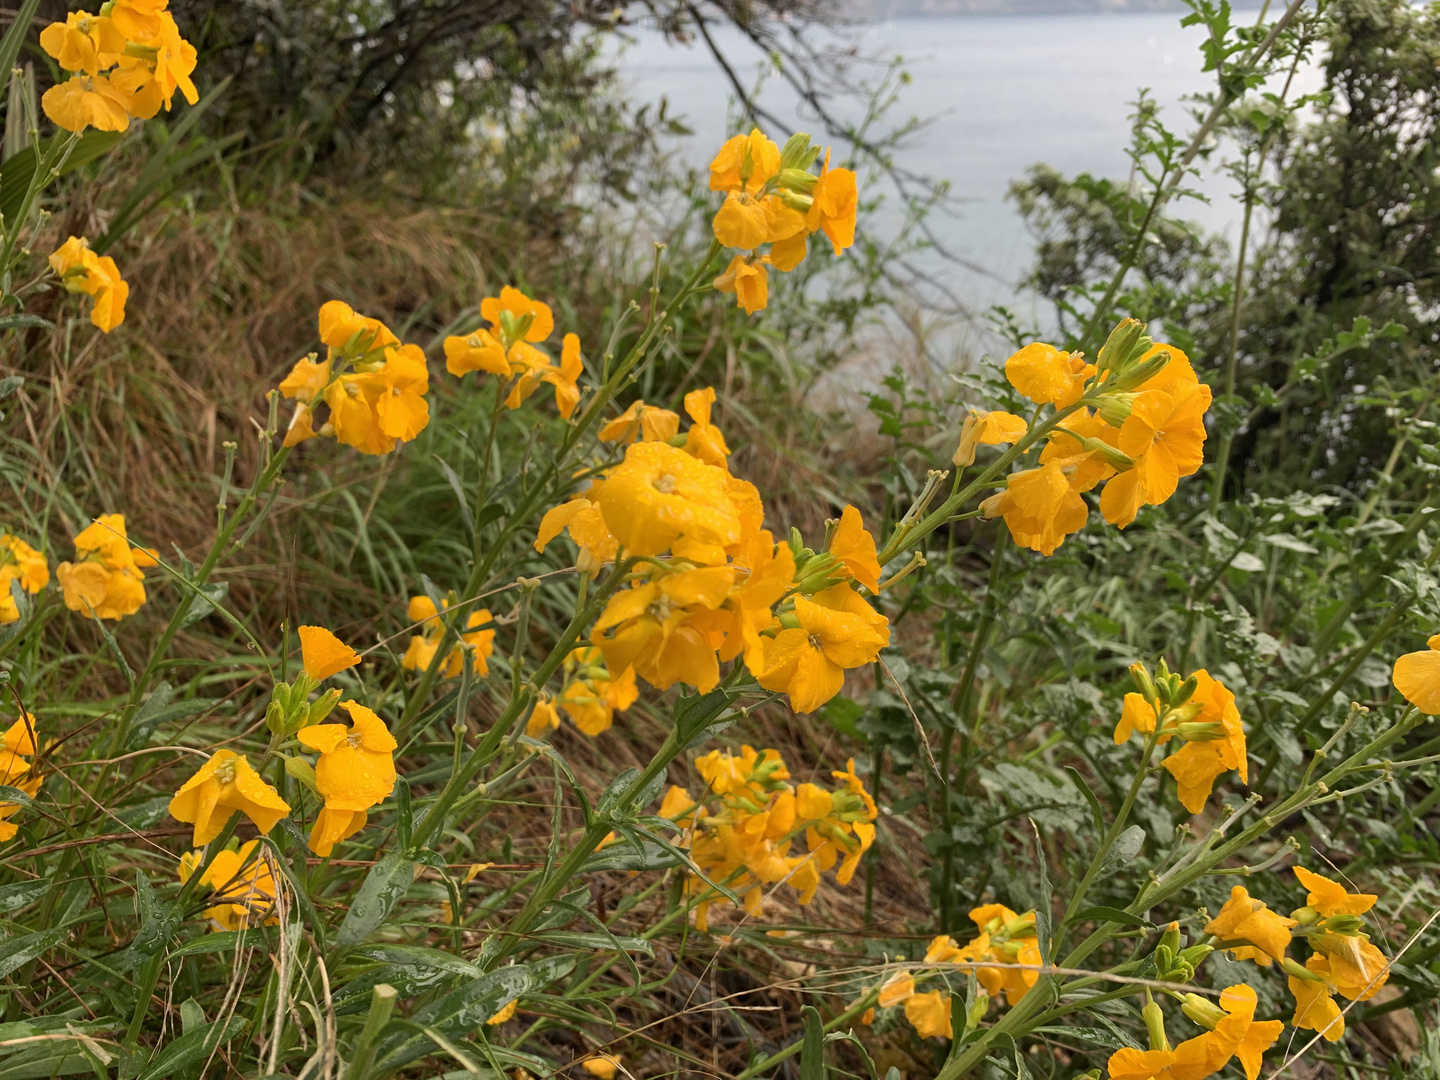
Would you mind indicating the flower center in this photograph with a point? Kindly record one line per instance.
(353, 739)
(666, 484)
(225, 774)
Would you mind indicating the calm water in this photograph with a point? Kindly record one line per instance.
(1003, 93)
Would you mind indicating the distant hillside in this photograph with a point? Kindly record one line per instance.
(893, 9)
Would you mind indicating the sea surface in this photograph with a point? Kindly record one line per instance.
(1000, 94)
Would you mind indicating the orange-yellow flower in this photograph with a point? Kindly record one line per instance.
(1417, 676)
(835, 201)
(223, 785)
(640, 421)
(900, 987)
(356, 771)
(151, 80)
(744, 163)
(423, 645)
(987, 429)
(1048, 376)
(592, 699)
(1040, 507)
(1198, 764)
(838, 630)
(82, 271)
(1237, 1035)
(704, 440)
(400, 407)
(83, 42)
(768, 572)
(86, 101)
(1165, 437)
(245, 888)
(1330, 897)
(543, 719)
(748, 279)
(1315, 1007)
(855, 548)
(1245, 917)
(582, 518)
(514, 307)
(107, 576)
(929, 1015)
(344, 329)
(662, 498)
(323, 654)
(601, 1066)
(21, 563)
(1128, 1063)
(649, 627)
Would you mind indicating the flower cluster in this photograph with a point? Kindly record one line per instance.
(727, 590)
(507, 350)
(1231, 1032)
(125, 63)
(107, 578)
(82, 271)
(743, 843)
(1005, 938)
(1135, 419)
(355, 769)
(17, 742)
(592, 694)
(479, 633)
(772, 198)
(244, 887)
(21, 565)
(1201, 713)
(1342, 960)
(373, 386)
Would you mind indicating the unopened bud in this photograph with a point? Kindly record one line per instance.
(275, 716)
(1115, 408)
(1022, 926)
(1186, 691)
(991, 507)
(789, 621)
(1120, 346)
(801, 180)
(323, 706)
(1205, 1013)
(1142, 372)
(1195, 955)
(1348, 925)
(1155, 1026)
(1141, 678)
(1305, 916)
(796, 200)
(1204, 731)
(1170, 939)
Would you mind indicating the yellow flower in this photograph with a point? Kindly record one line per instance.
(1136, 714)
(855, 548)
(1248, 918)
(640, 421)
(899, 988)
(543, 719)
(1237, 1034)
(19, 562)
(1129, 1063)
(107, 576)
(138, 20)
(743, 221)
(744, 163)
(423, 645)
(224, 784)
(662, 498)
(987, 429)
(581, 516)
(516, 308)
(8, 828)
(838, 630)
(1165, 436)
(929, 1015)
(479, 351)
(592, 700)
(504, 1014)
(601, 1066)
(1040, 506)
(246, 890)
(1358, 970)
(835, 201)
(1048, 376)
(400, 408)
(86, 101)
(323, 654)
(1330, 897)
(1417, 676)
(564, 377)
(348, 332)
(18, 740)
(704, 440)
(1007, 938)
(651, 631)
(747, 278)
(1197, 764)
(356, 771)
(152, 80)
(82, 271)
(83, 42)
(767, 573)
(1315, 1007)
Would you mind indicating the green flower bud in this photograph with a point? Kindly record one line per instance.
(322, 707)
(1121, 346)
(1305, 916)
(275, 716)
(1155, 1026)
(1170, 941)
(1205, 1013)
(1195, 955)
(1204, 732)
(1348, 925)
(1141, 678)
(1186, 691)
(1299, 970)
(1115, 408)
(976, 1012)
